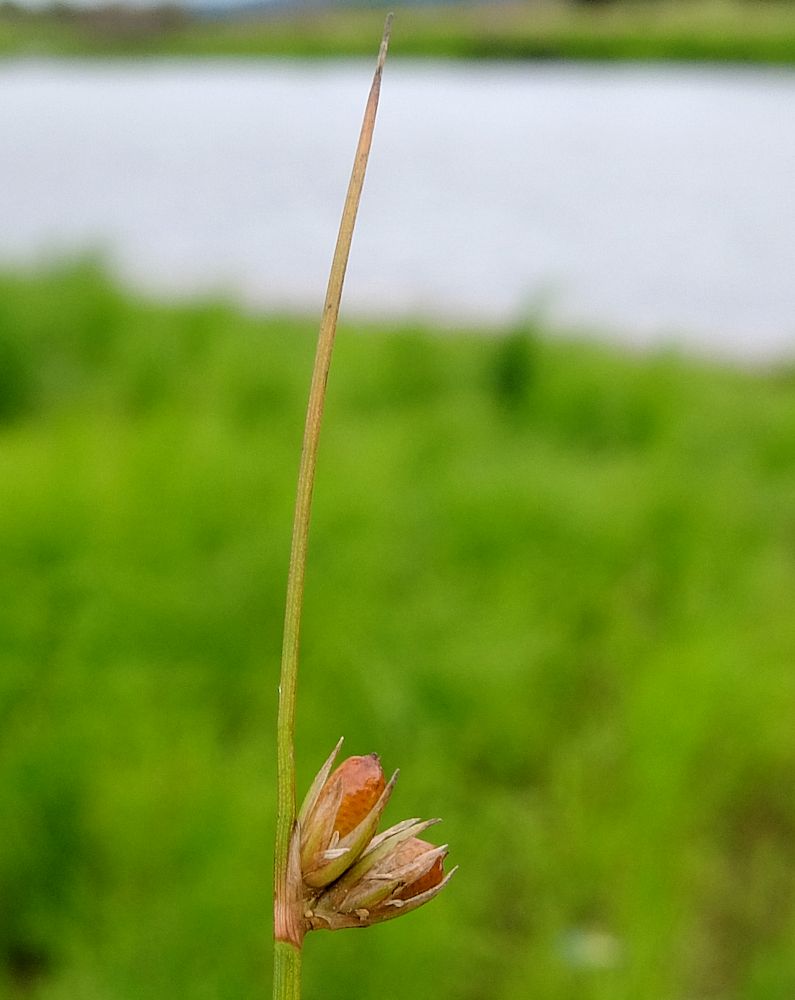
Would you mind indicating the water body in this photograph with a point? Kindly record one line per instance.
(649, 203)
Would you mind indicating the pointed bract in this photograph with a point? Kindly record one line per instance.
(320, 780)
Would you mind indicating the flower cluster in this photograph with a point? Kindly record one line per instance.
(351, 876)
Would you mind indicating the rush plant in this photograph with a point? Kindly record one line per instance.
(332, 870)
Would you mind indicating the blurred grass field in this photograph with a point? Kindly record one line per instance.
(733, 31)
(554, 584)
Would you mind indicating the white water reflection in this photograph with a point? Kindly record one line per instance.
(654, 202)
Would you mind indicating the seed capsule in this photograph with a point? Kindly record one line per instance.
(340, 816)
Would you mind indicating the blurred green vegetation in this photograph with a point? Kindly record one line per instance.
(758, 31)
(553, 583)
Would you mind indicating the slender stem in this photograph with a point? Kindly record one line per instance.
(288, 920)
(286, 971)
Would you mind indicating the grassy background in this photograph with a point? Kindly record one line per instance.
(552, 583)
(758, 31)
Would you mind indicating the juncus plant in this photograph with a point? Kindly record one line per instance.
(332, 869)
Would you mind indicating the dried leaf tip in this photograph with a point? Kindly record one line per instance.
(385, 40)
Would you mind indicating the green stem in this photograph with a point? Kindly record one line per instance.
(286, 971)
(288, 920)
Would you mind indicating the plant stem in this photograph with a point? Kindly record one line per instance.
(286, 971)
(288, 920)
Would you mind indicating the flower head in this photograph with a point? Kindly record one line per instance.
(351, 877)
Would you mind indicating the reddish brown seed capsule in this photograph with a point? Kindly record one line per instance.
(410, 851)
(340, 816)
(362, 783)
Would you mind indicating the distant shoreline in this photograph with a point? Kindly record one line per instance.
(758, 32)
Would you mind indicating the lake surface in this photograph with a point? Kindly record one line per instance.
(653, 204)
